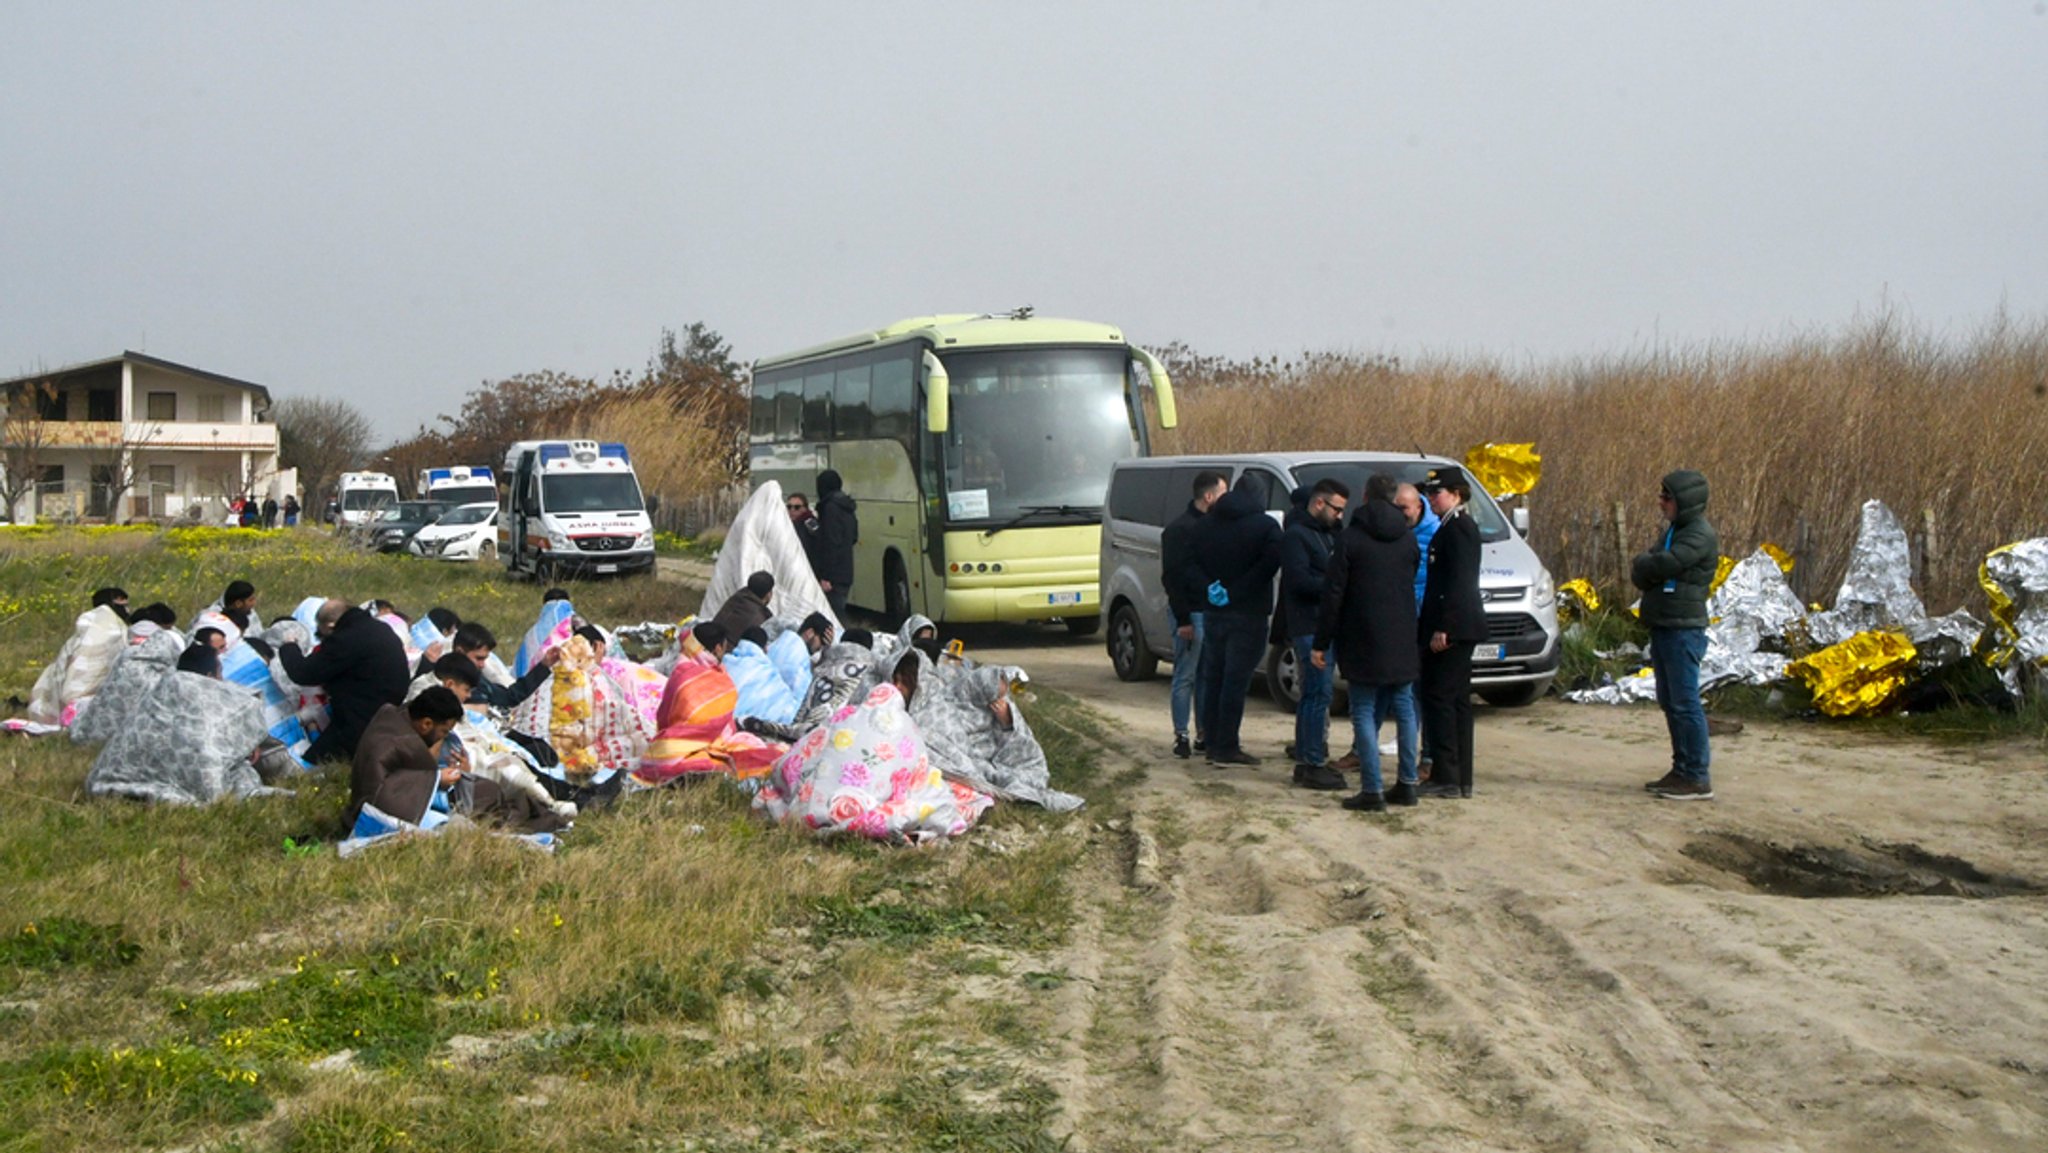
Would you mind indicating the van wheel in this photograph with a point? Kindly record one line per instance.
(895, 590)
(1084, 626)
(1127, 652)
(1283, 683)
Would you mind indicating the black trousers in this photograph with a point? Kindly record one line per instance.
(1446, 691)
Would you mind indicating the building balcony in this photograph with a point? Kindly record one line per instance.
(145, 436)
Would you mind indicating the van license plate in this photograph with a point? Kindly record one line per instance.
(1488, 652)
(1063, 598)
(615, 568)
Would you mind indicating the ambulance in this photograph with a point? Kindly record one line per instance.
(573, 508)
(458, 485)
(361, 496)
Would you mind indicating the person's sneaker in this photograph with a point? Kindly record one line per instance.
(1422, 769)
(1236, 757)
(1441, 792)
(1348, 763)
(1402, 793)
(1686, 791)
(1365, 803)
(1321, 778)
(1180, 746)
(1465, 792)
(1201, 746)
(1664, 782)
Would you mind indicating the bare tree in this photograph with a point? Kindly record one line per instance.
(322, 437)
(113, 465)
(24, 435)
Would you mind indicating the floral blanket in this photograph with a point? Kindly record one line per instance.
(865, 772)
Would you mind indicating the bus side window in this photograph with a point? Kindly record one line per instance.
(892, 398)
(818, 406)
(763, 429)
(850, 402)
(789, 409)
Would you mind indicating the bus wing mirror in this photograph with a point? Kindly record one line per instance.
(937, 397)
(1162, 388)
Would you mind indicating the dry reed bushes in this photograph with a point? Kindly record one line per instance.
(676, 437)
(1793, 436)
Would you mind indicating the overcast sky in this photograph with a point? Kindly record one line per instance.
(391, 203)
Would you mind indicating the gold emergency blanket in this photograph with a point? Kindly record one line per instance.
(1576, 596)
(1859, 676)
(1505, 469)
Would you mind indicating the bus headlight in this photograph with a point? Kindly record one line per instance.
(1545, 592)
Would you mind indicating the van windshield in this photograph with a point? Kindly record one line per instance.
(466, 494)
(1486, 515)
(575, 492)
(358, 499)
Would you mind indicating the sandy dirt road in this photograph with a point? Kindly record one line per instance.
(1562, 962)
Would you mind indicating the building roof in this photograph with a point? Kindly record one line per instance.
(153, 362)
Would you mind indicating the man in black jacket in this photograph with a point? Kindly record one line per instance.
(1452, 620)
(1237, 547)
(831, 545)
(1368, 618)
(360, 663)
(1676, 575)
(473, 640)
(1180, 577)
(1306, 545)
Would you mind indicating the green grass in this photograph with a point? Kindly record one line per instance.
(181, 977)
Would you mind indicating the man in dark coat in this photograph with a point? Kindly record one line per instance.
(1676, 575)
(401, 767)
(1368, 618)
(831, 546)
(1237, 547)
(360, 663)
(1306, 545)
(1180, 577)
(748, 608)
(1453, 619)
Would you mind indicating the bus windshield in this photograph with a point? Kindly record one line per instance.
(1033, 433)
(574, 492)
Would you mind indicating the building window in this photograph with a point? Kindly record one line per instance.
(163, 406)
(211, 406)
(103, 404)
(52, 404)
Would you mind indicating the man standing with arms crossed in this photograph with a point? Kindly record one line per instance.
(1675, 576)
(1181, 577)
(1305, 553)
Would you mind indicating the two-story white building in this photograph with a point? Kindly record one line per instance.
(134, 436)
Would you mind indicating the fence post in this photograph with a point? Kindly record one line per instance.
(1802, 560)
(1621, 542)
(1930, 549)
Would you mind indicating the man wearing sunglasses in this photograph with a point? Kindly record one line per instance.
(1675, 576)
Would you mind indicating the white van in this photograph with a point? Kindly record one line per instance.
(573, 507)
(458, 485)
(1513, 667)
(360, 496)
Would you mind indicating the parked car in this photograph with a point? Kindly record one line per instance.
(395, 525)
(1513, 667)
(465, 532)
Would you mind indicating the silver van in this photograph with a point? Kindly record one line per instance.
(1514, 667)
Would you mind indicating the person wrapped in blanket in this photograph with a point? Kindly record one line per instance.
(476, 643)
(404, 766)
(491, 752)
(698, 738)
(865, 772)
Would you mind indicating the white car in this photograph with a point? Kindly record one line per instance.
(466, 532)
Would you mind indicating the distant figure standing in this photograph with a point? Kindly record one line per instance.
(832, 547)
(1181, 577)
(1238, 548)
(1675, 576)
(1453, 619)
(291, 510)
(269, 512)
(1306, 548)
(800, 516)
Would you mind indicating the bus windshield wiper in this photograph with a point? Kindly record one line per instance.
(1031, 510)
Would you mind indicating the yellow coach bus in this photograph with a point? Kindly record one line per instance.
(978, 448)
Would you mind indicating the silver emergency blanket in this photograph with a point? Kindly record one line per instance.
(2016, 580)
(127, 687)
(761, 537)
(1635, 688)
(1877, 593)
(97, 638)
(189, 744)
(1751, 611)
(963, 739)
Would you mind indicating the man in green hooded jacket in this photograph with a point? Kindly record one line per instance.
(1675, 576)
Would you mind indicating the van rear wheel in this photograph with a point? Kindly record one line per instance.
(1128, 655)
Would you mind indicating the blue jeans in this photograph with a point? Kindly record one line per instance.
(1407, 735)
(1675, 656)
(1371, 705)
(1312, 716)
(1232, 644)
(1187, 657)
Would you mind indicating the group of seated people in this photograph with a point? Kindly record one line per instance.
(844, 733)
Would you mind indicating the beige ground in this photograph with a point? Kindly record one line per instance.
(1562, 962)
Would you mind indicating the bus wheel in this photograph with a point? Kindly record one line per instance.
(1084, 626)
(895, 589)
(1127, 652)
